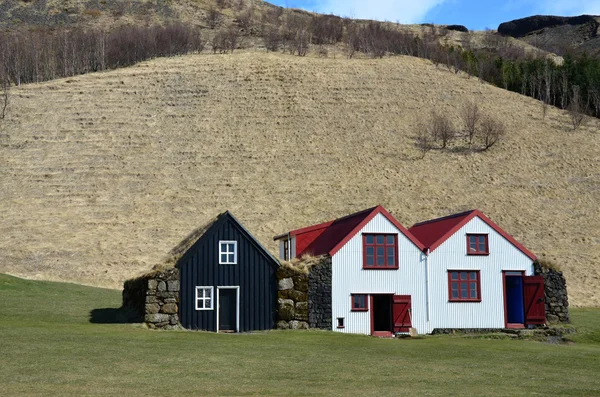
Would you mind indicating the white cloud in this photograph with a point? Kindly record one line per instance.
(404, 11)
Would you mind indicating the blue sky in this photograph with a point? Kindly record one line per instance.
(474, 14)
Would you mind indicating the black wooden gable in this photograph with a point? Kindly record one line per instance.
(253, 276)
(215, 226)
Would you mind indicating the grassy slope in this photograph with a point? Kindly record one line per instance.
(50, 347)
(103, 174)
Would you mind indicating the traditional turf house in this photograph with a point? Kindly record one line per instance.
(457, 272)
(220, 279)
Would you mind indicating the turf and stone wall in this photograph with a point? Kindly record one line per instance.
(155, 297)
(319, 295)
(292, 298)
(304, 295)
(555, 289)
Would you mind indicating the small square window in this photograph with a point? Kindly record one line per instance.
(204, 298)
(227, 252)
(359, 302)
(340, 322)
(477, 244)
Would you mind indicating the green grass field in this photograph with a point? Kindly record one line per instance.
(50, 347)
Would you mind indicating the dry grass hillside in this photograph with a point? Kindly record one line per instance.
(103, 174)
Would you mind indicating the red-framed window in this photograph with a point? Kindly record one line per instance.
(380, 251)
(359, 302)
(477, 244)
(464, 286)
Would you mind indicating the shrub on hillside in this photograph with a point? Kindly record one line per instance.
(423, 138)
(245, 20)
(213, 18)
(225, 40)
(576, 109)
(470, 116)
(442, 130)
(221, 4)
(272, 39)
(492, 131)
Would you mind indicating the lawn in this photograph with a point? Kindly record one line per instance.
(50, 347)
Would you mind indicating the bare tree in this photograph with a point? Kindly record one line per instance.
(442, 129)
(492, 131)
(232, 37)
(301, 42)
(424, 140)
(245, 20)
(351, 39)
(272, 39)
(470, 117)
(576, 108)
(595, 93)
(222, 4)
(213, 17)
(564, 89)
(5, 86)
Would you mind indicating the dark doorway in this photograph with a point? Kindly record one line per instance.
(227, 309)
(515, 308)
(382, 313)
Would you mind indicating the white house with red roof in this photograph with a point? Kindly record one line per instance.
(478, 275)
(460, 271)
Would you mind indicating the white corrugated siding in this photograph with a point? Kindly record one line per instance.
(281, 249)
(452, 255)
(292, 247)
(348, 277)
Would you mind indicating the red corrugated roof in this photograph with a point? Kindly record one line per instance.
(429, 232)
(335, 232)
(434, 232)
(329, 237)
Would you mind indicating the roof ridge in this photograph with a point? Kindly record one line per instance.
(354, 214)
(443, 218)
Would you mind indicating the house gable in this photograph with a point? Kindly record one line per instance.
(350, 277)
(435, 232)
(214, 228)
(252, 274)
(329, 237)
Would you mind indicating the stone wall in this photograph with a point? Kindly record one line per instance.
(155, 297)
(319, 295)
(304, 295)
(292, 298)
(555, 288)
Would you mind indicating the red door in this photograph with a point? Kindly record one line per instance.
(402, 313)
(535, 307)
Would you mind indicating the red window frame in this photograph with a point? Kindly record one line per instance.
(360, 308)
(386, 245)
(463, 282)
(481, 247)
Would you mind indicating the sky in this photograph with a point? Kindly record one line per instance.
(474, 14)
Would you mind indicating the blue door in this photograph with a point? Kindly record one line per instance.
(515, 308)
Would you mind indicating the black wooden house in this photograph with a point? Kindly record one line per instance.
(228, 280)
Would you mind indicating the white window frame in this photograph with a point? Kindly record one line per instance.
(204, 298)
(221, 242)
